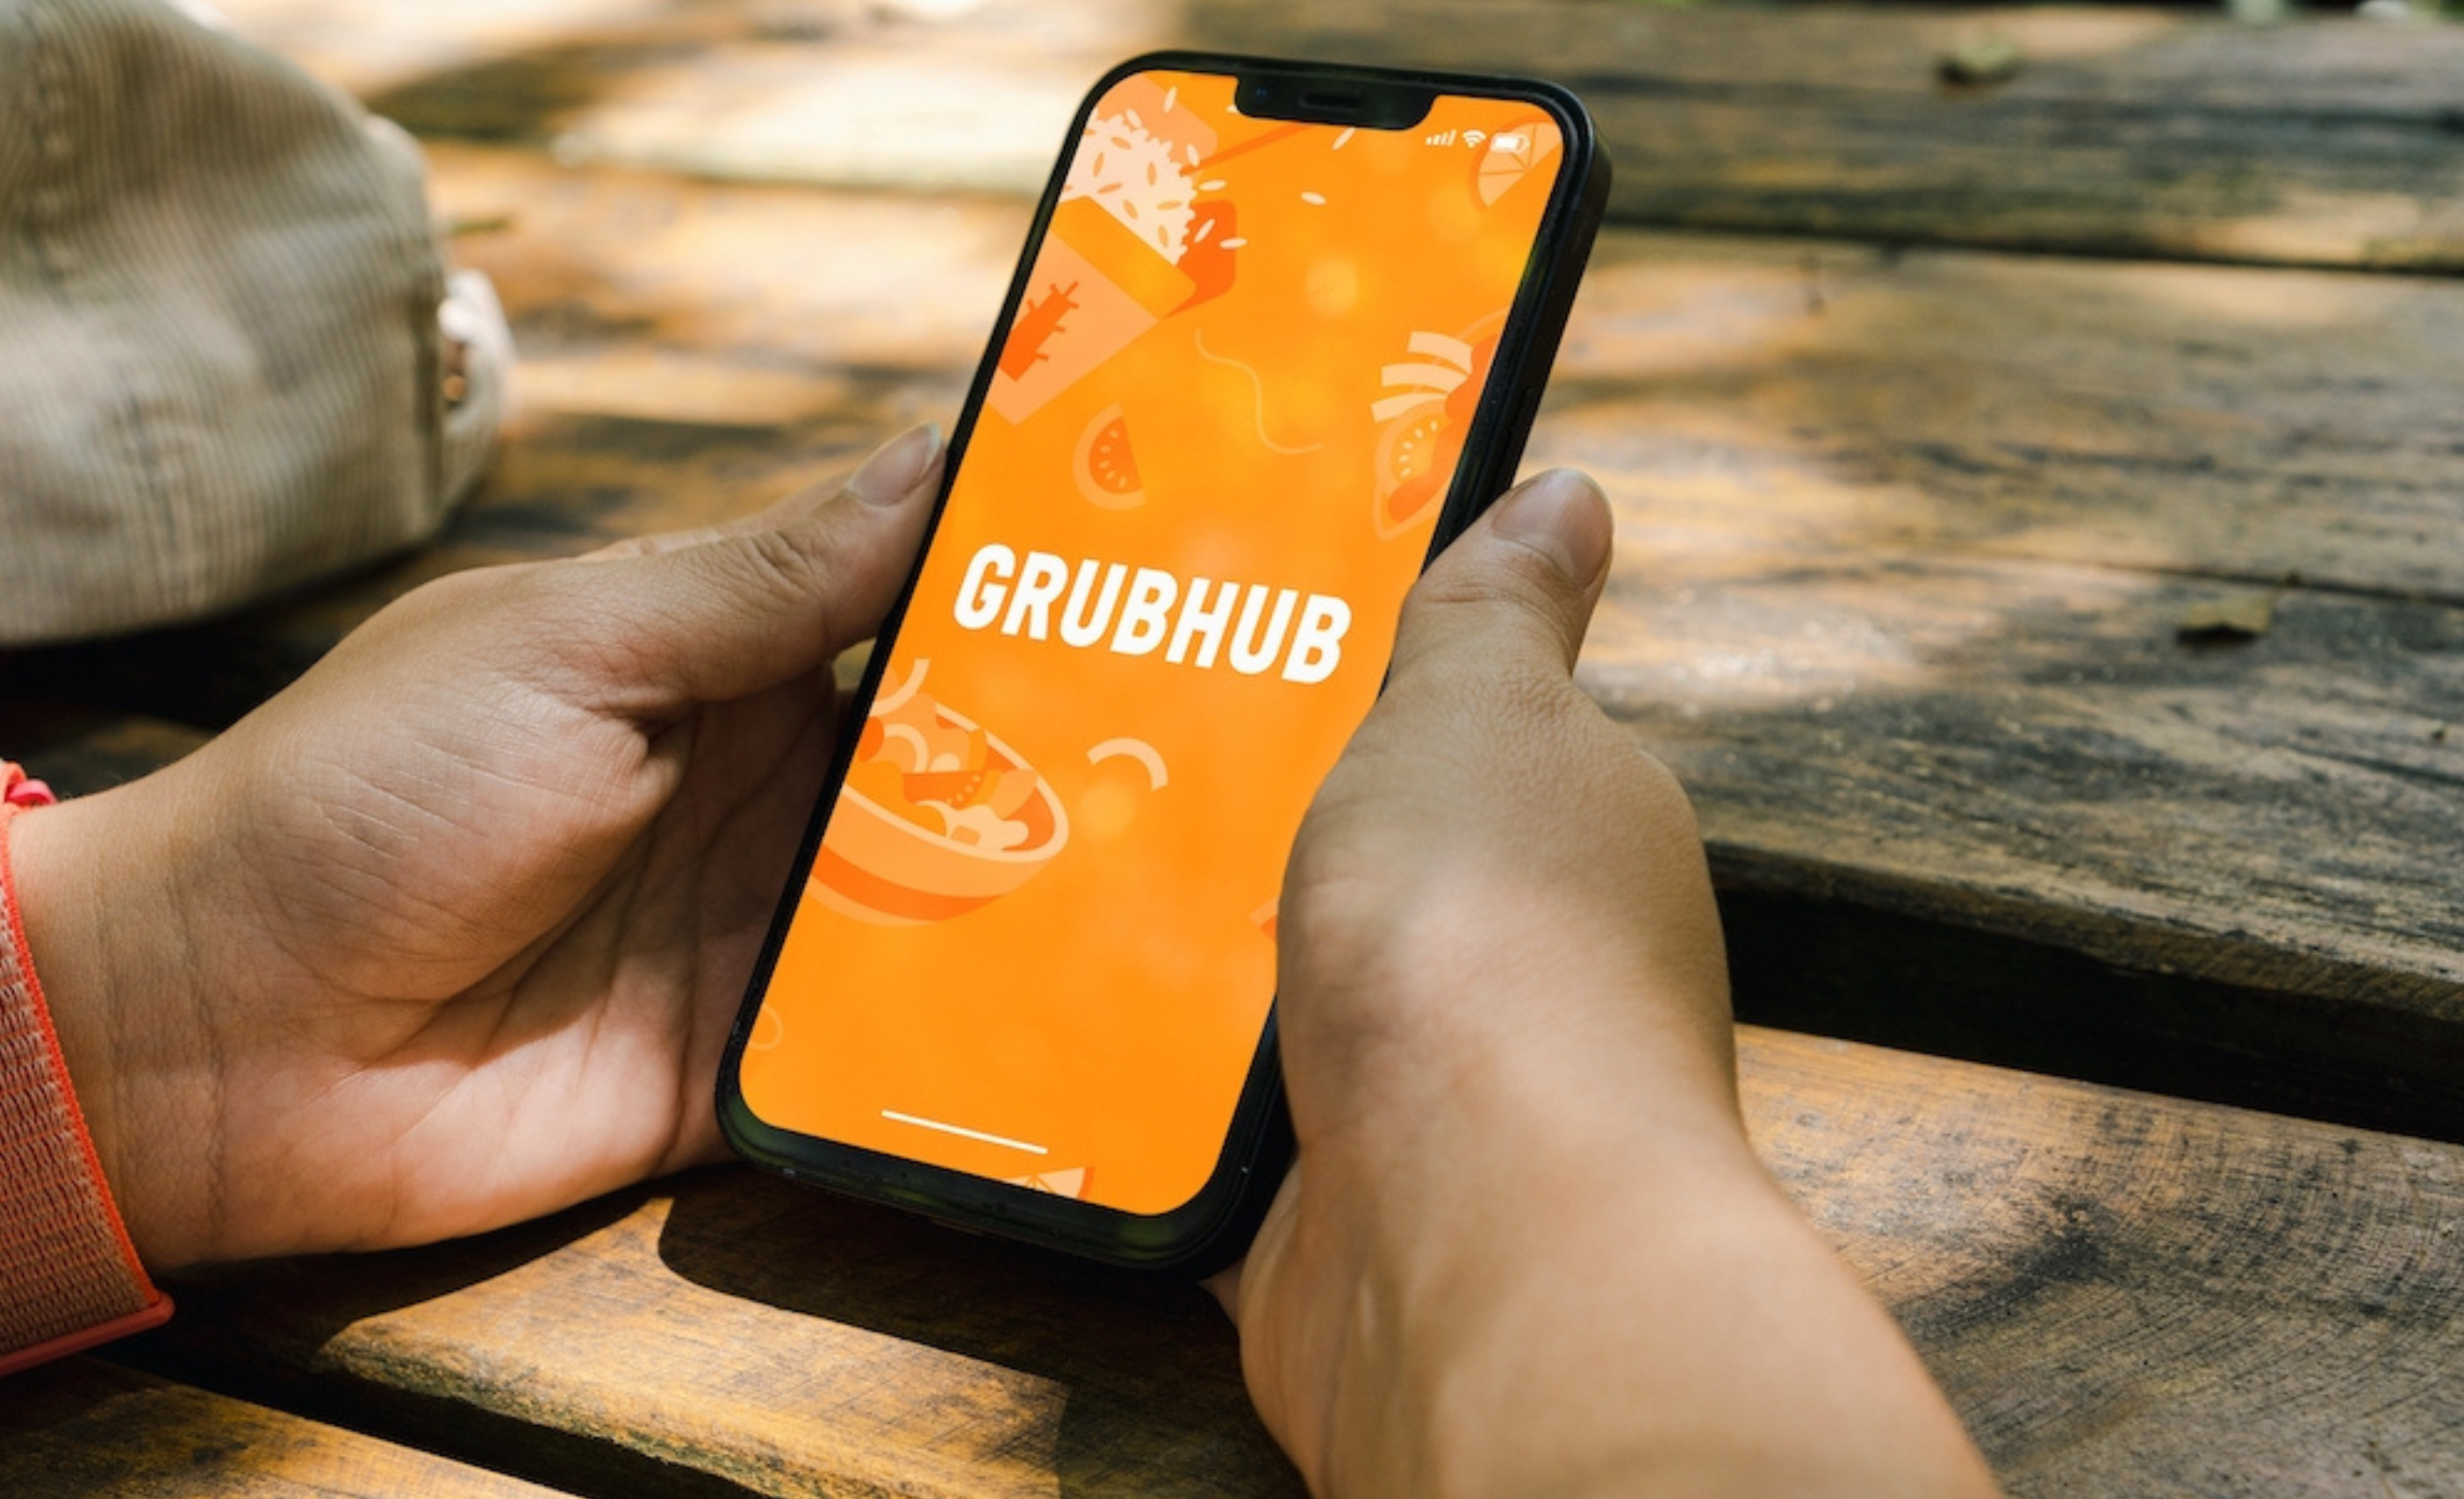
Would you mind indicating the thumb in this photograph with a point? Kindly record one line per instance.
(1518, 587)
(740, 612)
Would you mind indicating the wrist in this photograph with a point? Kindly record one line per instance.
(1508, 1347)
(1550, 1143)
(103, 930)
(1563, 1064)
(70, 1278)
(1508, 1267)
(1609, 1294)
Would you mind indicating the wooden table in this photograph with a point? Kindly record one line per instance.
(1938, 418)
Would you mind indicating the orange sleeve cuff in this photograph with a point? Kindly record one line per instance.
(69, 1276)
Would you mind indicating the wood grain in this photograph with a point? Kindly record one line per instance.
(1761, 403)
(725, 1333)
(2125, 131)
(2134, 131)
(2122, 1294)
(85, 1429)
(2129, 1295)
(1907, 540)
(1907, 543)
(2278, 816)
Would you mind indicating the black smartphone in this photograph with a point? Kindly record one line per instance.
(1276, 337)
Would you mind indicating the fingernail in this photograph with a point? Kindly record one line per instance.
(1562, 516)
(891, 474)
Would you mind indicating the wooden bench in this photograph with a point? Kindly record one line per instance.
(2122, 1293)
(1942, 421)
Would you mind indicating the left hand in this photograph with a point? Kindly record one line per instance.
(450, 933)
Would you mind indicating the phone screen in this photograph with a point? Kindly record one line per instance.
(1037, 942)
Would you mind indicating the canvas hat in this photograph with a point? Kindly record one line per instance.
(231, 357)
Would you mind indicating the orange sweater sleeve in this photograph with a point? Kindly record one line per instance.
(69, 1276)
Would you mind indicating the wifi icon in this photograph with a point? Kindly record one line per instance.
(1474, 137)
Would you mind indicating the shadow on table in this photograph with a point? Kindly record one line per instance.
(1149, 1369)
(259, 1333)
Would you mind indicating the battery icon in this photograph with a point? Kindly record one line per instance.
(1508, 145)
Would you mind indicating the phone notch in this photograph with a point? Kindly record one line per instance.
(1365, 103)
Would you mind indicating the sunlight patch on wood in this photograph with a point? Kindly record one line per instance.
(916, 123)
(366, 46)
(662, 386)
(2305, 225)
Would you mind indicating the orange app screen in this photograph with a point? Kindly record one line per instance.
(1037, 942)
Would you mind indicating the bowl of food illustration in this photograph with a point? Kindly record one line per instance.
(937, 817)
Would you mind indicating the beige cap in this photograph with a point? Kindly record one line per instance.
(221, 365)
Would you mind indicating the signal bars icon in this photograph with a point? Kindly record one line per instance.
(1447, 137)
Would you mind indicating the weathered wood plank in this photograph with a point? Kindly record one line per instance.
(2193, 420)
(736, 1330)
(1907, 540)
(82, 1428)
(2130, 1295)
(2030, 751)
(2134, 132)
(1763, 404)
(2125, 131)
(1906, 546)
(2122, 1293)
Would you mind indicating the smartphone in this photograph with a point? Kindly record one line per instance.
(1277, 335)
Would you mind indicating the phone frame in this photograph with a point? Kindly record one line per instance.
(1215, 1226)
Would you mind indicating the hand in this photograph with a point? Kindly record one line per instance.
(450, 932)
(1526, 1250)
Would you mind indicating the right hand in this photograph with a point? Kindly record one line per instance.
(1526, 1250)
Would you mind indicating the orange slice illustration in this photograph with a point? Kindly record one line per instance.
(1105, 466)
(1513, 154)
